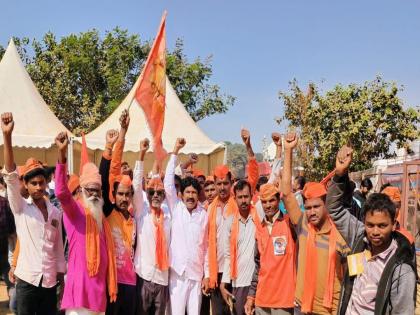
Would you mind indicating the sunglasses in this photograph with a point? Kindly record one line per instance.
(152, 192)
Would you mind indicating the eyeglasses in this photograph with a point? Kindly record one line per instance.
(152, 192)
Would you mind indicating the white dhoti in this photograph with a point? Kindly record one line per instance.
(82, 311)
(185, 294)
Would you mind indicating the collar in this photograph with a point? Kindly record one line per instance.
(386, 253)
(277, 216)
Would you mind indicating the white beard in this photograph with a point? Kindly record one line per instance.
(95, 205)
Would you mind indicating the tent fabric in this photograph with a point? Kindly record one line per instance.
(178, 123)
(36, 126)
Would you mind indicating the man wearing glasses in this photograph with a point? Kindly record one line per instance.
(153, 223)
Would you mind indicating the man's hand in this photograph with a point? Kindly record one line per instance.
(144, 145)
(111, 137)
(227, 296)
(7, 123)
(276, 139)
(205, 286)
(12, 277)
(125, 119)
(193, 158)
(343, 160)
(246, 137)
(291, 141)
(62, 141)
(249, 306)
(179, 144)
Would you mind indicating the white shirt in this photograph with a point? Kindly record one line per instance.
(189, 233)
(245, 252)
(41, 252)
(145, 256)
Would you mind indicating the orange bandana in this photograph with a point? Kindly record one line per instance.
(30, 165)
(73, 183)
(93, 254)
(231, 208)
(312, 267)
(234, 240)
(161, 248)
(221, 171)
(155, 183)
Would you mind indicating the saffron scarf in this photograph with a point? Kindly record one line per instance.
(312, 268)
(234, 240)
(231, 208)
(161, 248)
(93, 252)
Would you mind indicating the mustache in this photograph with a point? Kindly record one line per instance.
(190, 200)
(93, 199)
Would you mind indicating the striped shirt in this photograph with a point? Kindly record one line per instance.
(365, 285)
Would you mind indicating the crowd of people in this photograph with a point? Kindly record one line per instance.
(119, 240)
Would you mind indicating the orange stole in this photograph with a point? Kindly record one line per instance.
(231, 208)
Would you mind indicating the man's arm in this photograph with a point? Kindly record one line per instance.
(104, 166)
(403, 290)
(11, 177)
(289, 198)
(69, 205)
(169, 181)
(117, 153)
(276, 167)
(138, 179)
(253, 171)
(348, 225)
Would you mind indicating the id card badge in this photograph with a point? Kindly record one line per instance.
(356, 262)
(279, 245)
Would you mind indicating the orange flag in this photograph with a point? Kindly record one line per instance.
(84, 157)
(151, 91)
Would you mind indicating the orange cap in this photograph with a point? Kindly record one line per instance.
(73, 183)
(267, 191)
(314, 190)
(124, 180)
(30, 165)
(197, 172)
(393, 193)
(155, 183)
(221, 171)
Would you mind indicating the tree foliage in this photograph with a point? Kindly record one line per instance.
(370, 116)
(83, 77)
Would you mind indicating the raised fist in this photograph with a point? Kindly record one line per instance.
(193, 158)
(291, 140)
(144, 145)
(112, 136)
(246, 136)
(125, 119)
(179, 144)
(343, 160)
(62, 141)
(7, 123)
(276, 139)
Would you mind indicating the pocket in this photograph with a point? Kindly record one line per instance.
(50, 233)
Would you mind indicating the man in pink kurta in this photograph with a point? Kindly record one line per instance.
(83, 294)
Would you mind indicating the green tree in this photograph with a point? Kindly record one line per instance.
(83, 77)
(370, 116)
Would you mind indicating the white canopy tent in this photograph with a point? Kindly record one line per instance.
(178, 123)
(35, 124)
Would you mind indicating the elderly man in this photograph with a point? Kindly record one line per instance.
(91, 263)
(41, 263)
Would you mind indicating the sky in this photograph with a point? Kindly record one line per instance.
(257, 47)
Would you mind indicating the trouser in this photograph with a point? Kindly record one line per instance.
(33, 300)
(185, 294)
(273, 311)
(205, 305)
(151, 297)
(218, 304)
(82, 311)
(125, 303)
(240, 295)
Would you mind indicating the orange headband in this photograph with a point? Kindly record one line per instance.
(314, 190)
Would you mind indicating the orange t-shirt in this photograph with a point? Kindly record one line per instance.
(277, 275)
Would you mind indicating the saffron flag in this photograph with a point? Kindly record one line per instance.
(84, 157)
(151, 91)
